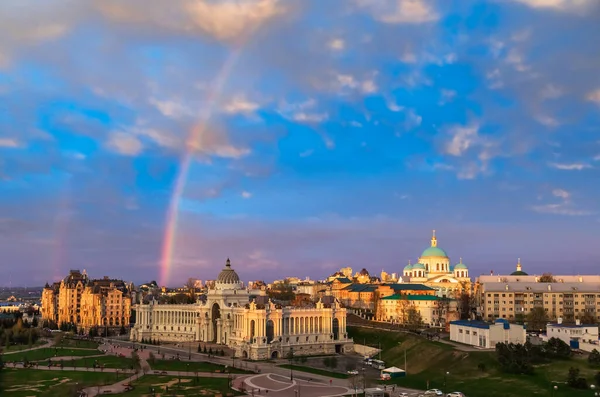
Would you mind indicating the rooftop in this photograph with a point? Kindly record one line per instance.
(412, 297)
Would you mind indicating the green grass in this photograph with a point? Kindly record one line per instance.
(193, 366)
(316, 371)
(108, 361)
(427, 362)
(40, 383)
(189, 386)
(50, 352)
(16, 348)
(81, 344)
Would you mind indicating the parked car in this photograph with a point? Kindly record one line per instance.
(455, 394)
(353, 372)
(433, 392)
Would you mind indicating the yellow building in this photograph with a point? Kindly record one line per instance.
(513, 296)
(87, 303)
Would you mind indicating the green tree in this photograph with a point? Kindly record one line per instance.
(557, 348)
(594, 360)
(574, 380)
(597, 378)
(30, 339)
(537, 319)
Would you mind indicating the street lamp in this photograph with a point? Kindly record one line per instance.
(554, 389)
(445, 375)
(291, 366)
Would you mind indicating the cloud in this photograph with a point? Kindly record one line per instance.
(594, 96)
(124, 143)
(246, 195)
(548, 121)
(570, 166)
(400, 11)
(551, 91)
(9, 143)
(302, 112)
(337, 44)
(564, 207)
(239, 104)
(462, 139)
(560, 5)
(226, 20)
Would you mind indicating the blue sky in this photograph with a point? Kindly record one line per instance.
(329, 133)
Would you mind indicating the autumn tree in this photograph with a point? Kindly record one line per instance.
(442, 306)
(588, 318)
(537, 318)
(547, 278)
(190, 285)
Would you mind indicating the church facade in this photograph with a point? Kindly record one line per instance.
(229, 316)
(434, 269)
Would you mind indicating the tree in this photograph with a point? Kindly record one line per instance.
(136, 360)
(557, 348)
(547, 278)
(576, 381)
(151, 358)
(190, 285)
(537, 319)
(597, 378)
(442, 306)
(594, 360)
(465, 305)
(413, 317)
(588, 318)
(122, 331)
(514, 358)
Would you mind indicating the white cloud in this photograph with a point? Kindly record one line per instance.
(551, 92)
(302, 112)
(462, 139)
(561, 5)
(570, 166)
(9, 143)
(564, 207)
(548, 121)
(337, 44)
(447, 96)
(239, 104)
(515, 58)
(400, 11)
(171, 108)
(306, 153)
(226, 20)
(124, 143)
(561, 193)
(412, 119)
(594, 96)
(368, 86)
(346, 80)
(246, 195)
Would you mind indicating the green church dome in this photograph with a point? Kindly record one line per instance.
(434, 251)
(418, 266)
(460, 265)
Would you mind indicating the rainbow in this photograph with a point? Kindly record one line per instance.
(192, 144)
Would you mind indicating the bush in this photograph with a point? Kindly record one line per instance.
(514, 358)
(594, 359)
(576, 381)
(557, 348)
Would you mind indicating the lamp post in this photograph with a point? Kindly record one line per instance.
(291, 366)
(554, 389)
(445, 376)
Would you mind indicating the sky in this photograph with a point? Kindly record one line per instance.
(144, 139)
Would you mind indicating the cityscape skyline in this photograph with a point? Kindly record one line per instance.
(150, 149)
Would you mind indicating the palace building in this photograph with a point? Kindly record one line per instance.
(433, 269)
(231, 316)
(87, 303)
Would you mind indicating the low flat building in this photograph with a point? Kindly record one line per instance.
(578, 336)
(486, 335)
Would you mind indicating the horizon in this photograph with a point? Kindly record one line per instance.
(297, 137)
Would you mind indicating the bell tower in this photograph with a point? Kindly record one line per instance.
(433, 240)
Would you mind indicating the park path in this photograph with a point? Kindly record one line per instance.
(49, 344)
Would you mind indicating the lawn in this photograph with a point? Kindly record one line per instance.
(45, 353)
(187, 387)
(108, 361)
(429, 365)
(30, 382)
(193, 366)
(316, 371)
(16, 348)
(82, 344)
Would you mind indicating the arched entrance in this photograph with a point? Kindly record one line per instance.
(215, 316)
(275, 354)
(270, 330)
(336, 328)
(244, 354)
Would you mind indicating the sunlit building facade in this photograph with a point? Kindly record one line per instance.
(230, 316)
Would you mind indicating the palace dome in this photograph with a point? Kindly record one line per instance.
(408, 268)
(228, 275)
(419, 266)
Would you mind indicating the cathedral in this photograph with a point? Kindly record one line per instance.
(433, 269)
(231, 316)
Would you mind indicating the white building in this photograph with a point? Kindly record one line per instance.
(486, 335)
(585, 336)
(230, 317)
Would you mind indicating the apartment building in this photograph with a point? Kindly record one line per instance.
(515, 295)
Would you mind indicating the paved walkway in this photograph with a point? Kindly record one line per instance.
(49, 344)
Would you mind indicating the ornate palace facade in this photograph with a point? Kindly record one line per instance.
(87, 303)
(230, 316)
